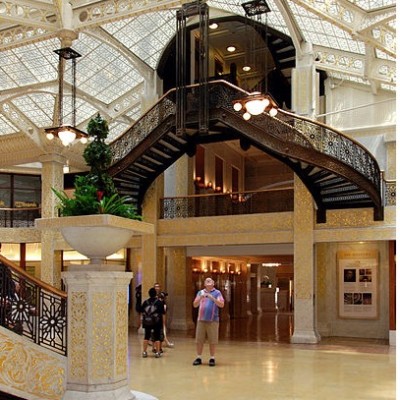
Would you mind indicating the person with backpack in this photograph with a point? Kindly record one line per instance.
(152, 322)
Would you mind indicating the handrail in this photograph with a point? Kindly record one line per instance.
(349, 159)
(249, 192)
(20, 271)
(32, 308)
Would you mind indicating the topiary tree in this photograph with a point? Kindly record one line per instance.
(95, 193)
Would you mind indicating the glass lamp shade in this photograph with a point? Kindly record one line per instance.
(246, 116)
(273, 112)
(66, 136)
(50, 136)
(237, 106)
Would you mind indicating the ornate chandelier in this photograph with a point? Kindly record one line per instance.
(256, 103)
(66, 133)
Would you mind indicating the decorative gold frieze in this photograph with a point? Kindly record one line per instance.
(30, 369)
(77, 349)
(121, 334)
(102, 349)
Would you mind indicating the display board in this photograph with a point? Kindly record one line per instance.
(358, 284)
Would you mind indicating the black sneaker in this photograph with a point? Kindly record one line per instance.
(211, 363)
(197, 361)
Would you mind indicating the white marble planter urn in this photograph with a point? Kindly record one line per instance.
(96, 236)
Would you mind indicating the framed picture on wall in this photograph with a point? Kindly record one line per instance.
(358, 284)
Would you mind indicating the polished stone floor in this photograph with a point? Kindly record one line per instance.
(255, 361)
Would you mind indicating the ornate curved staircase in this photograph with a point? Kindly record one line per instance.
(338, 171)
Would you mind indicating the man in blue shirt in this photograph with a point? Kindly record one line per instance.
(209, 300)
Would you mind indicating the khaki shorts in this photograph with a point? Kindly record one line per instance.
(207, 329)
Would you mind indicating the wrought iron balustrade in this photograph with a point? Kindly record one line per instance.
(217, 204)
(19, 217)
(389, 190)
(31, 308)
(339, 172)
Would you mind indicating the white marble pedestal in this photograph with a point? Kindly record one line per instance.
(97, 334)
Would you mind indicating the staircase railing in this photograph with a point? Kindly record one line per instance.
(32, 308)
(216, 204)
(287, 129)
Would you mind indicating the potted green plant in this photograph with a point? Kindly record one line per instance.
(96, 220)
(95, 193)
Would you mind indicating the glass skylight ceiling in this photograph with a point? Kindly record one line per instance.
(146, 35)
(373, 4)
(118, 56)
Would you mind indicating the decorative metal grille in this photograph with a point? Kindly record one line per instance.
(278, 200)
(18, 217)
(390, 193)
(31, 310)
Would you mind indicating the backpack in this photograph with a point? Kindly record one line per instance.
(150, 316)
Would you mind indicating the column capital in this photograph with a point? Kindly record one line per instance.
(53, 157)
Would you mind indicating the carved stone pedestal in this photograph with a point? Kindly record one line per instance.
(97, 333)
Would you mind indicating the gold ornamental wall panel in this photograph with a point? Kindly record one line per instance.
(27, 368)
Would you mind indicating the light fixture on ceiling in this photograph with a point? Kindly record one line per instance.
(213, 26)
(231, 48)
(256, 102)
(66, 133)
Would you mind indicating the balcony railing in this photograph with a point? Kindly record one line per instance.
(216, 204)
(31, 308)
(19, 217)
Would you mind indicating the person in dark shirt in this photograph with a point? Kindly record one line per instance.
(152, 307)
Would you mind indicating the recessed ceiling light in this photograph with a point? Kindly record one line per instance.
(231, 48)
(246, 68)
(214, 25)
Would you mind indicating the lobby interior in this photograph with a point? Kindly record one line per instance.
(239, 203)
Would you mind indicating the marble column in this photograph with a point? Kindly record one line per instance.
(151, 254)
(180, 289)
(304, 292)
(97, 333)
(305, 83)
(52, 177)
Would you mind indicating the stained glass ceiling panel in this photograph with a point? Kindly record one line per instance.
(6, 127)
(103, 71)
(146, 35)
(28, 65)
(372, 4)
(38, 107)
(323, 33)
